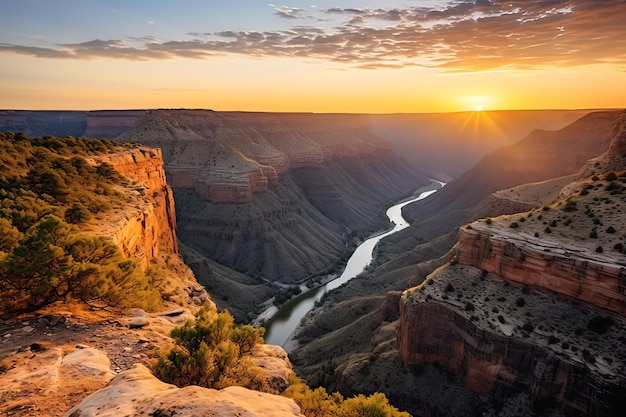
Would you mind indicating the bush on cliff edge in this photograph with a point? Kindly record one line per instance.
(213, 352)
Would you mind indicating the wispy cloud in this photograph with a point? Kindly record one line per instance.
(464, 35)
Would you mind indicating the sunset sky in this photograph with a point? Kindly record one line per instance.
(321, 56)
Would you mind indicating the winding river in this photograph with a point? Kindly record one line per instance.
(280, 328)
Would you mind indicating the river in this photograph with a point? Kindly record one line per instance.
(281, 327)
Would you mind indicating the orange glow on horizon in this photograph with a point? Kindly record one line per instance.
(284, 85)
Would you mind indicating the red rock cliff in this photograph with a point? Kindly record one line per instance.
(487, 362)
(149, 227)
(586, 276)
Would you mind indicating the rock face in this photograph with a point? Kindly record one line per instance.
(490, 363)
(137, 392)
(151, 228)
(228, 157)
(582, 275)
(534, 305)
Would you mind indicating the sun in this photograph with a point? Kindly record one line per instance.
(479, 107)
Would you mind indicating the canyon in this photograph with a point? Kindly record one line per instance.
(458, 343)
(298, 193)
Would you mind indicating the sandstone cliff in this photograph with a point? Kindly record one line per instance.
(148, 227)
(228, 157)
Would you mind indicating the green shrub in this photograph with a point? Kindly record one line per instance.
(213, 353)
(77, 213)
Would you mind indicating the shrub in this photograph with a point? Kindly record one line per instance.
(599, 249)
(547, 230)
(469, 307)
(514, 225)
(449, 287)
(600, 324)
(77, 213)
(570, 206)
(528, 326)
(553, 339)
(520, 302)
(501, 319)
(611, 176)
(212, 353)
(488, 220)
(593, 234)
(610, 229)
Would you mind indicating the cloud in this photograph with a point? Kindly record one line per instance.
(287, 12)
(462, 36)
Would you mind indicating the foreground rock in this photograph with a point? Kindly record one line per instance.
(137, 392)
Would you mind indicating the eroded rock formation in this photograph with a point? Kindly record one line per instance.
(136, 392)
(535, 302)
(149, 227)
(583, 275)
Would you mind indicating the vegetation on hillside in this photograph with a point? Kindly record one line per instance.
(213, 352)
(47, 188)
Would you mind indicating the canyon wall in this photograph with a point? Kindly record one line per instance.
(586, 276)
(272, 195)
(147, 228)
(229, 157)
(489, 363)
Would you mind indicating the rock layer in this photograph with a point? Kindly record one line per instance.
(149, 228)
(589, 277)
(488, 363)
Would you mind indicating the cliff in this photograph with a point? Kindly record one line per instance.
(570, 270)
(271, 195)
(535, 303)
(94, 357)
(555, 368)
(147, 228)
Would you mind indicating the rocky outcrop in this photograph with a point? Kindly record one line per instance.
(586, 276)
(489, 363)
(535, 302)
(137, 392)
(148, 228)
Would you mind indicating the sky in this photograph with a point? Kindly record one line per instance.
(394, 56)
